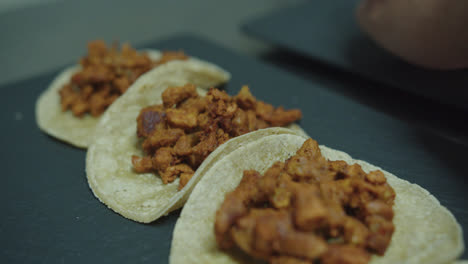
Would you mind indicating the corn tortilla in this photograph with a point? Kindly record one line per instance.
(80, 131)
(143, 197)
(425, 231)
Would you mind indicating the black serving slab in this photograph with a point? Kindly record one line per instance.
(327, 31)
(49, 215)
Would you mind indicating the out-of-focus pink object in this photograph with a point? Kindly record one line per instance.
(429, 33)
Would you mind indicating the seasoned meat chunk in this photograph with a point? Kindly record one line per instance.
(106, 73)
(187, 127)
(174, 95)
(163, 158)
(184, 145)
(245, 99)
(149, 119)
(208, 143)
(182, 118)
(184, 179)
(308, 210)
(218, 95)
(142, 164)
(195, 104)
(162, 138)
(301, 244)
(376, 177)
(239, 123)
(232, 209)
(281, 117)
(171, 173)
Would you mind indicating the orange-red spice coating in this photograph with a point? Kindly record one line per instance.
(106, 73)
(308, 210)
(179, 134)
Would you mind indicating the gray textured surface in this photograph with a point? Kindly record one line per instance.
(42, 37)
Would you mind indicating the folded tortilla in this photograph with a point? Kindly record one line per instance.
(143, 197)
(425, 231)
(80, 131)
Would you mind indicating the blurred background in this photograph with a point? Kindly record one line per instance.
(42, 35)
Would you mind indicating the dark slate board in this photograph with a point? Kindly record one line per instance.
(328, 32)
(49, 215)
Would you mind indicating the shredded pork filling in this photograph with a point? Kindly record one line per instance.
(105, 75)
(308, 210)
(180, 133)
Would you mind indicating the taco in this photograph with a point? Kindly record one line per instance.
(154, 144)
(70, 108)
(283, 199)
